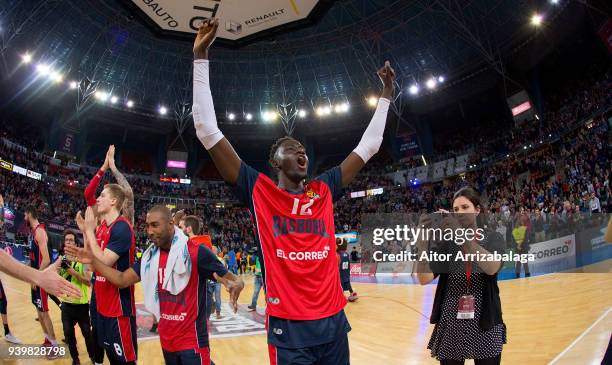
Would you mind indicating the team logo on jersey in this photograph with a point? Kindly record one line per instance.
(303, 255)
(273, 300)
(312, 195)
(174, 317)
(284, 226)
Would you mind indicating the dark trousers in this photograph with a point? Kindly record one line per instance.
(98, 350)
(73, 314)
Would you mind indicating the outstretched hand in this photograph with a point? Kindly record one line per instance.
(207, 32)
(54, 284)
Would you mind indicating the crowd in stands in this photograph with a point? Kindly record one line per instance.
(565, 175)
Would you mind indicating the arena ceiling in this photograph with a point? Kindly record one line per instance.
(321, 52)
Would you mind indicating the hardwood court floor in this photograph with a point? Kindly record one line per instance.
(563, 317)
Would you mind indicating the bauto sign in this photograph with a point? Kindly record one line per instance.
(238, 18)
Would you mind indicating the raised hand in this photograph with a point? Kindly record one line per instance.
(205, 37)
(90, 219)
(1, 203)
(110, 157)
(387, 76)
(80, 254)
(80, 221)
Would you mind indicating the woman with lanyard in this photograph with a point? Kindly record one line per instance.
(467, 309)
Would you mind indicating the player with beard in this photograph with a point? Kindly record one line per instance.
(183, 325)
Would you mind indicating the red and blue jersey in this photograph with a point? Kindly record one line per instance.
(296, 235)
(183, 322)
(35, 252)
(118, 237)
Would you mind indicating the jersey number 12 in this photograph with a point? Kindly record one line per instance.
(305, 208)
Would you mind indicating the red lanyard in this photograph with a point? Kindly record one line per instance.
(468, 272)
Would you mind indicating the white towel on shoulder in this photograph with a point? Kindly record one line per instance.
(176, 275)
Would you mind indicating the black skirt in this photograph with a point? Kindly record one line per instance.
(459, 339)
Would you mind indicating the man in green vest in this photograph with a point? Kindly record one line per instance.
(76, 310)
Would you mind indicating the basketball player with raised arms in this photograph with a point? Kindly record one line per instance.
(294, 224)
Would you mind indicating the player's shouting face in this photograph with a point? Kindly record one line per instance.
(290, 159)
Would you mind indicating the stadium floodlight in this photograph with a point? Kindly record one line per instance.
(231, 116)
(101, 95)
(441, 79)
(114, 99)
(555, 2)
(26, 58)
(268, 116)
(248, 116)
(431, 83)
(372, 101)
(414, 89)
(129, 104)
(74, 84)
(324, 110)
(43, 69)
(56, 76)
(341, 108)
(163, 110)
(536, 19)
(302, 113)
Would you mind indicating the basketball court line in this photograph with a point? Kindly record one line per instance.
(601, 318)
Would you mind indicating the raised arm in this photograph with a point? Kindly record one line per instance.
(373, 135)
(90, 190)
(128, 205)
(205, 121)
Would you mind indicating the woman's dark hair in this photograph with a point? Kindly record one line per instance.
(72, 232)
(474, 197)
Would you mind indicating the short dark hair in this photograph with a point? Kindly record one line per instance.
(275, 146)
(193, 222)
(163, 210)
(69, 231)
(32, 211)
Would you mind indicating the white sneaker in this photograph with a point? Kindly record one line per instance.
(12, 339)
